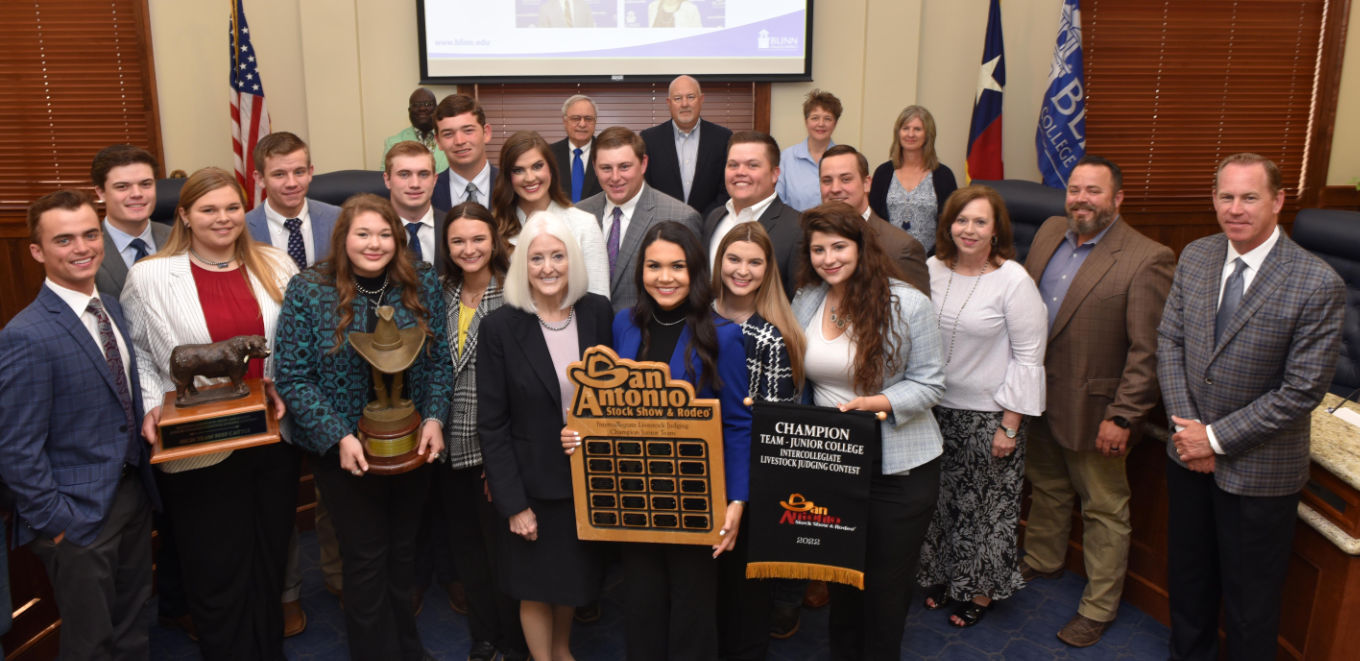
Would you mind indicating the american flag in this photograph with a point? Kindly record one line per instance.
(249, 115)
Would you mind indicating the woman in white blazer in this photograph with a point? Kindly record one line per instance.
(232, 511)
(526, 183)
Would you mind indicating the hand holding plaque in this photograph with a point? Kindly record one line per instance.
(389, 428)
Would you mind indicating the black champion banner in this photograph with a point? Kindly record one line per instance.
(809, 492)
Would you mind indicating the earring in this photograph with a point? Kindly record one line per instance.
(994, 240)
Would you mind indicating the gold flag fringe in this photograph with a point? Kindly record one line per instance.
(805, 570)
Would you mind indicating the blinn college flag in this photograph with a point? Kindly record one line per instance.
(1060, 140)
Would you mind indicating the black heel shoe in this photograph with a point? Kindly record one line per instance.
(970, 613)
(936, 598)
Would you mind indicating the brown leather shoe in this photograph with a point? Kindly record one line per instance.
(1082, 631)
(816, 595)
(1029, 573)
(294, 619)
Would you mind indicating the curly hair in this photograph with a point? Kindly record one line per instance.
(338, 269)
(876, 339)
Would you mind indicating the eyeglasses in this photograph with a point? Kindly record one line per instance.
(422, 104)
(577, 119)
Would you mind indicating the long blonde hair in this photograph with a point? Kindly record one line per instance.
(252, 260)
(771, 304)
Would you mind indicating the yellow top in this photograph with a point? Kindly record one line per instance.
(465, 315)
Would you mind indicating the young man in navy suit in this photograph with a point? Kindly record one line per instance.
(461, 132)
(288, 219)
(71, 449)
(124, 179)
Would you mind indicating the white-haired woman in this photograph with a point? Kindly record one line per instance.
(547, 321)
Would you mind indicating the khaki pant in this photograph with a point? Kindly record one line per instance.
(1059, 476)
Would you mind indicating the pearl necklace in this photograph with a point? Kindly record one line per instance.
(570, 314)
(939, 316)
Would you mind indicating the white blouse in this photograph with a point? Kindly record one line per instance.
(994, 330)
(827, 363)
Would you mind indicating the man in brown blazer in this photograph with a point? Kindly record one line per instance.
(1104, 284)
(844, 175)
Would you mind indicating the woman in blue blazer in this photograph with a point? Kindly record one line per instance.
(671, 593)
(326, 384)
(546, 324)
(873, 344)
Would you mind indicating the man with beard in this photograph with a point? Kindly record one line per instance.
(421, 112)
(1104, 284)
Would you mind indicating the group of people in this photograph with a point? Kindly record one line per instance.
(686, 244)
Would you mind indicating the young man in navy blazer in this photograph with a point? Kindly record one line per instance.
(461, 132)
(71, 449)
(288, 219)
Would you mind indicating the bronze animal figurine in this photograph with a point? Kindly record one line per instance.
(228, 358)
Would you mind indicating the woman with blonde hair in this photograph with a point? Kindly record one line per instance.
(910, 188)
(232, 511)
(528, 183)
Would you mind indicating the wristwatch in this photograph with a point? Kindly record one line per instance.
(1010, 433)
(1120, 421)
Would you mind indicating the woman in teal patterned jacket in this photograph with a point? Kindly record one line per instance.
(326, 385)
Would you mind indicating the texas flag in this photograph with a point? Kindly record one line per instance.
(984, 135)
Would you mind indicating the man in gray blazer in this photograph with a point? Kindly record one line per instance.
(750, 175)
(1248, 344)
(844, 175)
(288, 219)
(627, 207)
(124, 178)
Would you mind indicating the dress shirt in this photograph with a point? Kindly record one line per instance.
(80, 302)
(426, 233)
(571, 154)
(627, 208)
(800, 183)
(1063, 266)
(687, 152)
(458, 186)
(732, 219)
(121, 240)
(278, 234)
(1254, 258)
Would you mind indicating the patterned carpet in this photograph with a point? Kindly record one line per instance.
(1019, 629)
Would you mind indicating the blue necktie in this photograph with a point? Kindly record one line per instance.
(414, 244)
(578, 175)
(296, 249)
(141, 249)
(1232, 296)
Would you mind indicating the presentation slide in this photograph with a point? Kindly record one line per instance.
(486, 40)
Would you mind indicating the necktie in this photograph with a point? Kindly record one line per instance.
(578, 175)
(414, 244)
(141, 248)
(109, 344)
(296, 249)
(1232, 296)
(470, 193)
(612, 245)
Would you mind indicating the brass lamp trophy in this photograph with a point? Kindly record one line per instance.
(389, 429)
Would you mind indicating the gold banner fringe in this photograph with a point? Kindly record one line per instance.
(805, 570)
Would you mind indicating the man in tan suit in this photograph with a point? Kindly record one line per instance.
(1104, 284)
(844, 176)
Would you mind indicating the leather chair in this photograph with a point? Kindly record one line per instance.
(1029, 205)
(1334, 235)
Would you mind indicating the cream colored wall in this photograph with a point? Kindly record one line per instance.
(1344, 167)
(338, 72)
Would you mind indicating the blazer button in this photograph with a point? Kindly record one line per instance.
(1208, 380)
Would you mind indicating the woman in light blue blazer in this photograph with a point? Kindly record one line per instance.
(873, 345)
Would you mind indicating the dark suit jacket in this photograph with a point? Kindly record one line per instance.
(113, 270)
(653, 206)
(65, 436)
(708, 190)
(781, 221)
(561, 150)
(322, 216)
(1258, 387)
(1102, 347)
(520, 403)
(443, 197)
(904, 250)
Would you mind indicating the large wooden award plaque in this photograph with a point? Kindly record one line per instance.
(650, 465)
(228, 424)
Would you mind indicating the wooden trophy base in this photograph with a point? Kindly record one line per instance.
(390, 441)
(220, 426)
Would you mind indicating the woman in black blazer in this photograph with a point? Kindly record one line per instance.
(910, 188)
(547, 322)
